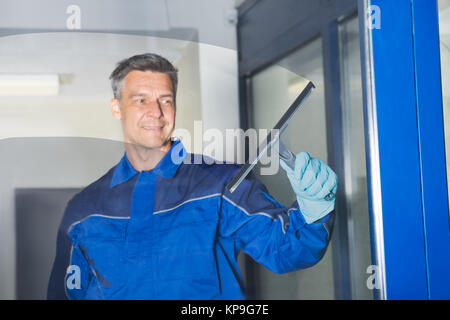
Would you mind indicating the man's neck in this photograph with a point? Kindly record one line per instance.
(143, 158)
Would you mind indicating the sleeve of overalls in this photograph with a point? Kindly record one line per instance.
(273, 235)
(70, 271)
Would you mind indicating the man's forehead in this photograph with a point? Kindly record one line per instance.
(148, 74)
(137, 78)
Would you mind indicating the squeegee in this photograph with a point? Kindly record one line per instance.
(272, 138)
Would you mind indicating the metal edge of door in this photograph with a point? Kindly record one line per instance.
(372, 149)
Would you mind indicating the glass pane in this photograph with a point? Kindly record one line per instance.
(444, 44)
(354, 159)
(272, 91)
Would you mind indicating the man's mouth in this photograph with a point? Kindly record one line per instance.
(153, 128)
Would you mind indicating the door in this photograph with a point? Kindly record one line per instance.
(38, 215)
(279, 46)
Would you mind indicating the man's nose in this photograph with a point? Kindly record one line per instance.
(153, 109)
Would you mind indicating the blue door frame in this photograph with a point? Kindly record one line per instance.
(405, 147)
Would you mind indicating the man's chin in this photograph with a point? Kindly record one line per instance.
(156, 145)
(159, 142)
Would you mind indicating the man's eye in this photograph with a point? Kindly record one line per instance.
(166, 101)
(140, 101)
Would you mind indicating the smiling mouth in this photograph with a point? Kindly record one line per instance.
(152, 128)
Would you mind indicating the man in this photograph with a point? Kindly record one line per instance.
(155, 228)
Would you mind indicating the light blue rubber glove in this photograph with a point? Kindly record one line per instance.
(312, 180)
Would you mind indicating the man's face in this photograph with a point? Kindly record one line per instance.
(146, 109)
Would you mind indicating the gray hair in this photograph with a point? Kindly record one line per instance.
(142, 62)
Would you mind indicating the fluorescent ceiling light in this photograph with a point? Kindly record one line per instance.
(29, 84)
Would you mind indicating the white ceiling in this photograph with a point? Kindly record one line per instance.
(85, 60)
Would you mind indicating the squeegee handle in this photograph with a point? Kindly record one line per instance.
(289, 158)
(286, 155)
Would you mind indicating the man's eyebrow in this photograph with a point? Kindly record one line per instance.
(167, 95)
(143, 94)
(139, 94)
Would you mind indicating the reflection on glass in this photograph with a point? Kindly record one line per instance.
(57, 132)
(272, 92)
(444, 44)
(82, 62)
(355, 187)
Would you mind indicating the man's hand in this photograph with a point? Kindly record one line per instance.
(314, 184)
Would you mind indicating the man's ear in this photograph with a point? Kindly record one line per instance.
(115, 109)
